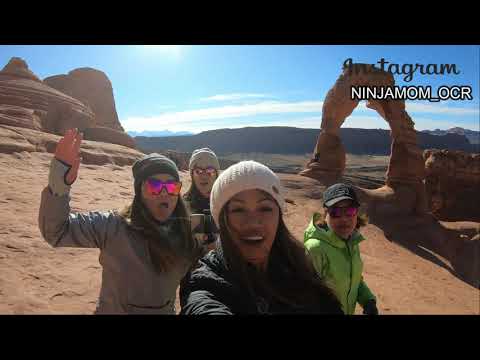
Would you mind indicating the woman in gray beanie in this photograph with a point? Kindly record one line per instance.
(145, 250)
(257, 267)
(204, 168)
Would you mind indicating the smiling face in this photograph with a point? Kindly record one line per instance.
(344, 225)
(252, 219)
(162, 205)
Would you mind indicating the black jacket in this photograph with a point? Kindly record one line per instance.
(196, 203)
(211, 289)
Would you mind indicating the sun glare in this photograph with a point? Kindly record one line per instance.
(169, 49)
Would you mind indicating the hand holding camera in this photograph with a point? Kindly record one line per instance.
(203, 228)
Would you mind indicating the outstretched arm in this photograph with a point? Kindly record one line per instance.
(58, 226)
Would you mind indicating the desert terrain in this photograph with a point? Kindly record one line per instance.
(421, 256)
(37, 279)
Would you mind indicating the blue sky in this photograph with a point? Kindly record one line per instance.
(196, 88)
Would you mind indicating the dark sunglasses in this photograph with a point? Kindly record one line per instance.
(337, 212)
(210, 171)
(155, 186)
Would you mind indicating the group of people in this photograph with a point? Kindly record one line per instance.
(255, 266)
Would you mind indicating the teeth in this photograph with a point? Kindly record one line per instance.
(254, 238)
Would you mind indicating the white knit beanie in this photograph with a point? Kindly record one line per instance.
(245, 175)
(206, 156)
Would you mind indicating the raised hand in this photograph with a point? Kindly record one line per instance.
(68, 151)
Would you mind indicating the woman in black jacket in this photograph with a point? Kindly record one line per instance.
(257, 267)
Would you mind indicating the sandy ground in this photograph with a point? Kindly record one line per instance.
(37, 279)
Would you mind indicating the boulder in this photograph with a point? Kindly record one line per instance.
(452, 182)
(93, 88)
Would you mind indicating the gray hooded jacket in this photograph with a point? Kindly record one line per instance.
(130, 283)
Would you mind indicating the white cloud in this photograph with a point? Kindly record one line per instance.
(218, 113)
(218, 116)
(232, 97)
(438, 109)
(432, 108)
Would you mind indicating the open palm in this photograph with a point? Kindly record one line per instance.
(68, 151)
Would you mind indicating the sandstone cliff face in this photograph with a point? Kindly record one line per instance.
(108, 135)
(27, 103)
(94, 89)
(18, 68)
(17, 140)
(452, 183)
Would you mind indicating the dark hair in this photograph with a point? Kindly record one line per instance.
(290, 278)
(193, 195)
(138, 218)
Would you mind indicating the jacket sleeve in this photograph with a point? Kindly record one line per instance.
(364, 293)
(201, 295)
(202, 302)
(61, 228)
(317, 256)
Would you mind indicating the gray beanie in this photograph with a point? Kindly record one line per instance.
(206, 156)
(150, 165)
(245, 175)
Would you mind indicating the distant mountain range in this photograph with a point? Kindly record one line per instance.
(160, 133)
(290, 140)
(472, 136)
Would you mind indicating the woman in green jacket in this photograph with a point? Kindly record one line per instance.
(332, 239)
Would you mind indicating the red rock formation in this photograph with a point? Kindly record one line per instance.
(27, 102)
(18, 68)
(328, 166)
(452, 184)
(181, 159)
(23, 97)
(94, 89)
(109, 135)
(62, 116)
(406, 169)
(20, 116)
(15, 140)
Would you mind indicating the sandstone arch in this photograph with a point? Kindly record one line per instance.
(404, 187)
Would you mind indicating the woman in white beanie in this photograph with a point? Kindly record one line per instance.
(257, 267)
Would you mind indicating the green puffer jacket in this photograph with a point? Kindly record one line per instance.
(339, 263)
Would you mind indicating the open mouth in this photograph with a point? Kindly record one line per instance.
(252, 239)
(163, 205)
